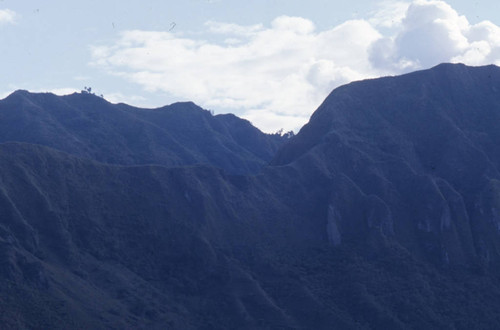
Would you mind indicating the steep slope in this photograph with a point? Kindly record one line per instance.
(87, 245)
(88, 126)
(111, 246)
(421, 153)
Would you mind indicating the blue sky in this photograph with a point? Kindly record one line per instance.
(271, 61)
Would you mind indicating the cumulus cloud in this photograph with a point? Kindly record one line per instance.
(432, 32)
(275, 75)
(7, 16)
(280, 71)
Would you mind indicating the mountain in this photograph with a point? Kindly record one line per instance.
(424, 147)
(381, 213)
(88, 126)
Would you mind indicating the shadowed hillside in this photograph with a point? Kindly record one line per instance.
(88, 126)
(382, 213)
(422, 148)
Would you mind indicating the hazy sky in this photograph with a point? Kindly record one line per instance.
(270, 61)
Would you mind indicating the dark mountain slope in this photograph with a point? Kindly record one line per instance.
(116, 246)
(90, 245)
(181, 134)
(380, 214)
(424, 147)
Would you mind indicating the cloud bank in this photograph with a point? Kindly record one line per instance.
(277, 75)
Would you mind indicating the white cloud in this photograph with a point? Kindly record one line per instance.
(128, 99)
(483, 44)
(297, 25)
(433, 32)
(389, 14)
(7, 16)
(281, 71)
(277, 75)
(271, 122)
(57, 91)
(63, 91)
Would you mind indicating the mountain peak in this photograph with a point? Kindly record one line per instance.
(422, 140)
(396, 98)
(20, 93)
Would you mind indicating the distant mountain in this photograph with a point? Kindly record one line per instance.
(88, 126)
(381, 213)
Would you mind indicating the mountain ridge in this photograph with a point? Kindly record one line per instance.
(180, 134)
(378, 214)
(413, 134)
